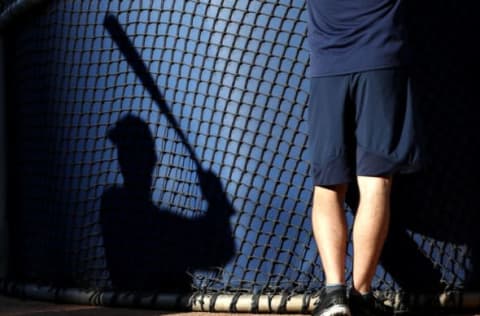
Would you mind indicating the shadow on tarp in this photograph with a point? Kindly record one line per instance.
(441, 202)
(148, 248)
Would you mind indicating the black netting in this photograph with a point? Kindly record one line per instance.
(107, 190)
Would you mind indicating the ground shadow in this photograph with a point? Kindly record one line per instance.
(148, 248)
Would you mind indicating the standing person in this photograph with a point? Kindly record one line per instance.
(361, 130)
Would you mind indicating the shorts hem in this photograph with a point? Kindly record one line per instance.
(336, 171)
(374, 164)
(339, 170)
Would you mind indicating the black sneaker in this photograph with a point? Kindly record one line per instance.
(334, 303)
(368, 305)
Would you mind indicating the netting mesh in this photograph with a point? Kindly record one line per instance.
(106, 192)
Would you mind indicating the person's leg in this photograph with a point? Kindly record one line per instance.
(370, 229)
(330, 230)
(331, 126)
(386, 145)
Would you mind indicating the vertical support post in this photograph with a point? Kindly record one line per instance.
(3, 215)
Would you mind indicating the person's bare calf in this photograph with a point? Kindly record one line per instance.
(330, 230)
(370, 229)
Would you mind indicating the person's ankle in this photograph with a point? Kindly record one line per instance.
(361, 291)
(329, 288)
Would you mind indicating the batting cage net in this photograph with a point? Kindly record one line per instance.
(161, 147)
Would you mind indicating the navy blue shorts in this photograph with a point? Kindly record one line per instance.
(362, 124)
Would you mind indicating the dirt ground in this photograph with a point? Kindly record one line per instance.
(11, 306)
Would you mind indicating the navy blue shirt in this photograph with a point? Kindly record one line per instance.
(347, 36)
